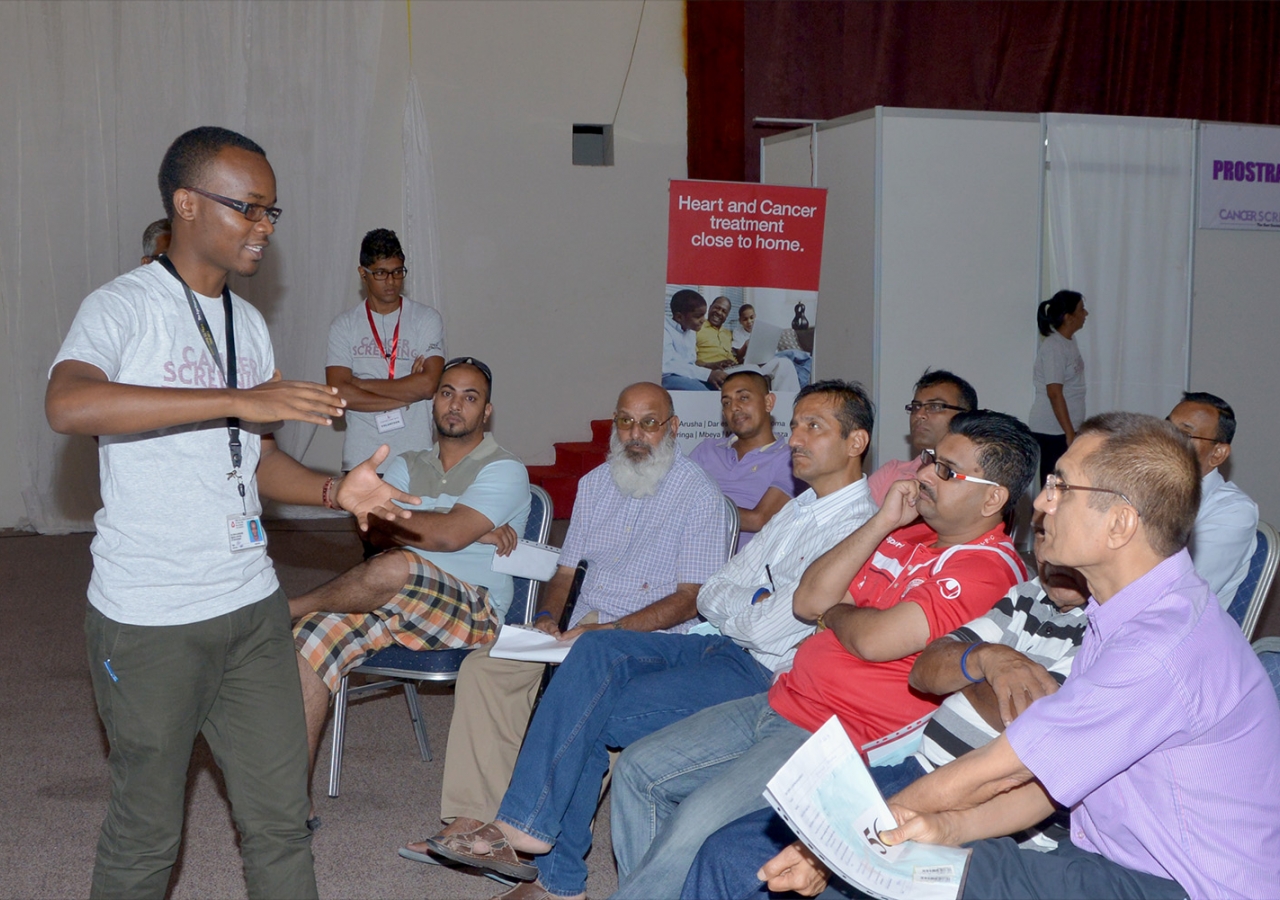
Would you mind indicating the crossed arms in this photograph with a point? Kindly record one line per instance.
(382, 394)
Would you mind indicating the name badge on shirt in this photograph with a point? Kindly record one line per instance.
(246, 532)
(391, 420)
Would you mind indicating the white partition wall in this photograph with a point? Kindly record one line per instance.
(932, 253)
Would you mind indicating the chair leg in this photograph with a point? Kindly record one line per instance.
(419, 729)
(339, 731)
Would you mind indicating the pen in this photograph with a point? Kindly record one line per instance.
(770, 574)
(110, 671)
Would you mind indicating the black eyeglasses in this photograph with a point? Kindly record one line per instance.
(1053, 484)
(469, 361)
(932, 408)
(383, 274)
(648, 424)
(946, 473)
(254, 212)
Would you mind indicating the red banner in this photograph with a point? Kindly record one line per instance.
(730, 232)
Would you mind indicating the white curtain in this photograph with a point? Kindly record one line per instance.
(104, 87)
(1119, 210)
(421, 240)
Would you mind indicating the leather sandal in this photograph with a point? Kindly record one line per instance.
(501, 856)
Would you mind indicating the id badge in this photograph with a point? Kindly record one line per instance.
(391, 420)
(246, 532)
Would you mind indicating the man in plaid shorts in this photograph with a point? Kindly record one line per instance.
(434, 586)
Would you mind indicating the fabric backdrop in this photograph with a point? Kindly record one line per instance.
(1119, 195)
(82, 145)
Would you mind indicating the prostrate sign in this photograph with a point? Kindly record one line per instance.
(729, 232)
(1239, 176)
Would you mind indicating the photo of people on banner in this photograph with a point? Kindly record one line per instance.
(742, 271)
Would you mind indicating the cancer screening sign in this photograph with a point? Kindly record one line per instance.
(1240, 177)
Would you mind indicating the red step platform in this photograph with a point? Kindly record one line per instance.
(573, 460)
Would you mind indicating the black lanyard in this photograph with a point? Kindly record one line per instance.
(228, 371)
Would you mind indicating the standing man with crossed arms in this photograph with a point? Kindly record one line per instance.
(385, 358)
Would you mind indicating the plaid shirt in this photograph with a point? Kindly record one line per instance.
(640, 550)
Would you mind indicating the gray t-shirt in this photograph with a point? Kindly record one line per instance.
(162, 554)
(352, 345)
(1058, 361)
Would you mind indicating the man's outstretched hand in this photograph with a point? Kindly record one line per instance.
(364, 494)
(277, 400)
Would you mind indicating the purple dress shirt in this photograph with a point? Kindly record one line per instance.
(745, 481)
(1164, 740)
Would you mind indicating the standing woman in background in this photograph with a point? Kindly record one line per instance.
(1059, 377)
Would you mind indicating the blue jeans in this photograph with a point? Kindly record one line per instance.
(684, 383)
(614, 688)
(726, 866)
(674, 789)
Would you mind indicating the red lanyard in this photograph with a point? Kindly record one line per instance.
(395, 340)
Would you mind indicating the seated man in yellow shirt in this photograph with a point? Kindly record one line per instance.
(715, 349)
(715, 342)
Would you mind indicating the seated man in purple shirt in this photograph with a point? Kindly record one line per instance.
(1162, 741)
(753, 467)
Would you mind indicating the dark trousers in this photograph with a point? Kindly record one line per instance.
(233, 679)
(1052, 446)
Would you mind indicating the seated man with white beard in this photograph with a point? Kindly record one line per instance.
(652, 525)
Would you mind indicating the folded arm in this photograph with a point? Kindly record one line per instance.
(826, 582)
(752, 520)
(1009, 679)
(671, 610)
(376, 393)
(442, 531)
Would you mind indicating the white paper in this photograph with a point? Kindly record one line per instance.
(528, 560)
(827, 796)
(530, 644)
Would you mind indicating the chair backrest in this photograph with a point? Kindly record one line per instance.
(1268, 650)
(536, 528)
(734, 524)
(1246, 606)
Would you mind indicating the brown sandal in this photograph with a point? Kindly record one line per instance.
(501, 856)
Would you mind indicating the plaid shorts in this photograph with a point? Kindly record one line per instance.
(432, 611)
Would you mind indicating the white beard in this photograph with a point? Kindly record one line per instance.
(640, 478)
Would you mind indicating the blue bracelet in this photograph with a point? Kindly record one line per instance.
(964, 656)
(541, 614)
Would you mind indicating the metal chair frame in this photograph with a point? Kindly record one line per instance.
(1246, 607)
(404, 668)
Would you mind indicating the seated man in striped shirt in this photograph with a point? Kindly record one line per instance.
(615, 688)
(991, 669)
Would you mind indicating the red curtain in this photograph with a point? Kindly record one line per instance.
(1204, 60)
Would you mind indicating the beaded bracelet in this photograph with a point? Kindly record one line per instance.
(328, 501)
(964, 656)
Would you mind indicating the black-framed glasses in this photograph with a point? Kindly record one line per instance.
(648, 424)
(469, 361)
(932, 408)
(383, 274)
(1053, 484)
(946, 473)
(254, 212)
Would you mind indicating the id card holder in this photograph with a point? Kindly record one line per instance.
(391, 420)
(246, 532)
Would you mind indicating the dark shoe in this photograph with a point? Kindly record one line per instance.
(499, 857)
